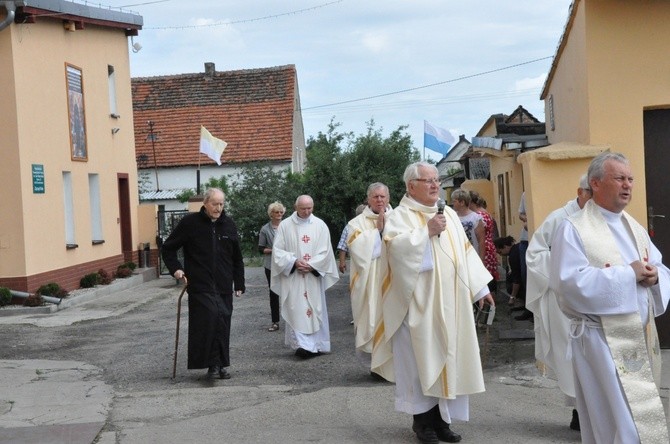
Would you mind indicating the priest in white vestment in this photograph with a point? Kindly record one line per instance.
(435, 275)
(611, 283)
(368, 268)
(303, 268)
(552, 327)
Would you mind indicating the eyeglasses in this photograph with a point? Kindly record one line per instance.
(429, 181)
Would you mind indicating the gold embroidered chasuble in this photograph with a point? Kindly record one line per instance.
(366, 275)
(635, 351)
(435, 294)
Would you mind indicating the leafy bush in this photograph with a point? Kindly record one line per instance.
(34, 300)
(52, 289)
(123, 271)
(130, 265)
(105, 278)
(90, 280)
(5, 296)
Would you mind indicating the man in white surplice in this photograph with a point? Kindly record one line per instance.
(368, 267)
(303, 268)
(435, 277)
(552, 327)
(610, 282)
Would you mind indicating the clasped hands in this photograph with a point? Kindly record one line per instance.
(302, 266)
(645, 274)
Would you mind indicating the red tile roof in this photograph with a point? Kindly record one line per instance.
(252, 110)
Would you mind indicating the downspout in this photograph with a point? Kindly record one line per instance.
(11, 13)
(24, 295)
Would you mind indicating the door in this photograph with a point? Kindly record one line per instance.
(124, 217)
(656, 167)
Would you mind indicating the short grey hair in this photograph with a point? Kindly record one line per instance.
(374, 186)
(597, 166)
(412, 171)
(210, 192)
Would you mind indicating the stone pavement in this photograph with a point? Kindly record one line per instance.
(45, 401)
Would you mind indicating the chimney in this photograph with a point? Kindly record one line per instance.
(209, 70)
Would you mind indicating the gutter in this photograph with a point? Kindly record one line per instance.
(11, 13)
(24, 295)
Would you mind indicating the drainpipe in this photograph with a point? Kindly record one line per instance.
(11, 12)
(23, 295)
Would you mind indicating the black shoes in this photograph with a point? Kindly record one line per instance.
(527, 315)
(425, 433)
(305, 354)
(445, 434)
(213, 370)
(430, 428)
(574, 424)
(223, 373)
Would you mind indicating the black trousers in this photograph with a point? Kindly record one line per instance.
(274, 300)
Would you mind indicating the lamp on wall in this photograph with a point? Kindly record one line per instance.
(136, 46)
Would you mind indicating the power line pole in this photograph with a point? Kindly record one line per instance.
(152, 137)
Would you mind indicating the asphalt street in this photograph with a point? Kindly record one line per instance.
(99, 370)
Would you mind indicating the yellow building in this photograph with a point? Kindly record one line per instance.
(609, 88)
(69, 197)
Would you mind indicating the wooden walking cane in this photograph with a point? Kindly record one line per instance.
(176, 341)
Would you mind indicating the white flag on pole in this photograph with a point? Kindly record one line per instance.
(211, 146)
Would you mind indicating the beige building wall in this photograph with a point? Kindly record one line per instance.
(556, 171)
(612, 67)
(504, 164)
(567, 103)
(35, 130)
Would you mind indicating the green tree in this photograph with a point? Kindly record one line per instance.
(256, 186)
(337, 176)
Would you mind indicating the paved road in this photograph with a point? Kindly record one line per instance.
(100, 371)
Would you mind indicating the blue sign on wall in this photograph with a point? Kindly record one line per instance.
(38, 179)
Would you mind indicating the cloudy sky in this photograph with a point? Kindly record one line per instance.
(397, 62)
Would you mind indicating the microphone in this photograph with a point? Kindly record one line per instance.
(440, 208)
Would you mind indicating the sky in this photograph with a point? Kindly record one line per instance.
(453, 63)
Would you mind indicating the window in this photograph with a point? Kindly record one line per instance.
(68, 204)
(96, 213)
(111, 82)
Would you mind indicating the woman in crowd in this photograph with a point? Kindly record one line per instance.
(265, 239)
(490, 259)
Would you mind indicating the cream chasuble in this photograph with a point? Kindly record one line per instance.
(432, 282)
(635, 351)
(301, 294)
(368, 267)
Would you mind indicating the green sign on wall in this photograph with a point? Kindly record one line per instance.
(38, 179)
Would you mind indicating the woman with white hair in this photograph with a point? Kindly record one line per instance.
(265, 239)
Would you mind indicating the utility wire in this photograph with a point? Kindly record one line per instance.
(430, 85)
(236, 22)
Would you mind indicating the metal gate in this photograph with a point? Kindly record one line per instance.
(167, 220)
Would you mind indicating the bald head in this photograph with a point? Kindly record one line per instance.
(304, 205)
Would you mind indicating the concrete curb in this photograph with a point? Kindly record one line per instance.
(140, 276)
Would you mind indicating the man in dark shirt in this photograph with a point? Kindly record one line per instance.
(214, 267)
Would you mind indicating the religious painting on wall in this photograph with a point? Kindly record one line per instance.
(76, 117)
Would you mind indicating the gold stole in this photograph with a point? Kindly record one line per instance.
(635, 351)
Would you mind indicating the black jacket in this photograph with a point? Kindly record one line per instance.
(212, 255)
